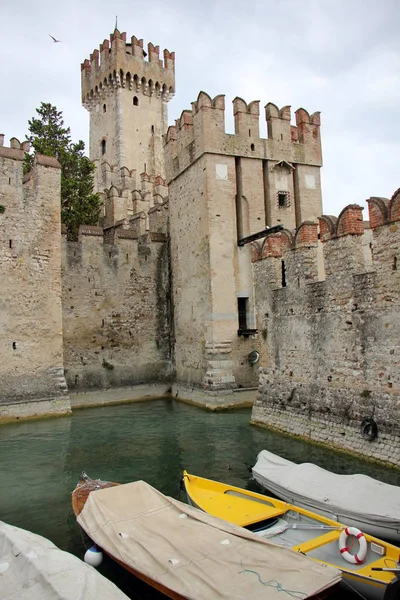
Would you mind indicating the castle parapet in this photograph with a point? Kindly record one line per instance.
(383, 211)
(16, 150)
(202, 129)
(278, 123)
(247, 118)
(121, 64)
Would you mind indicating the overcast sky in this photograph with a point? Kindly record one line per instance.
(340, 57)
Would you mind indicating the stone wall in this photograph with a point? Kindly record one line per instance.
(31, 350)
(116, 309)
(331, 348)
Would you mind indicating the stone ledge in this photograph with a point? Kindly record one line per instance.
(103, 397)
(37, 409)
(215, 400)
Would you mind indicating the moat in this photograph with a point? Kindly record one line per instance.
(153, 440)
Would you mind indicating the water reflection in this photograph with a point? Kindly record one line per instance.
(40, 461)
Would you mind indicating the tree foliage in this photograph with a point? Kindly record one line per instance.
(48, 136)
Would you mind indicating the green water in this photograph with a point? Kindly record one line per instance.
(40, 461)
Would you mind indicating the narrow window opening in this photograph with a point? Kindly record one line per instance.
(103, 146)
(76, 379)
(102, 322)
(9, 181)
(242, 313)
(109, 255)
(249, 132)
(14, 344)
(10, 243)
(135, 101)
(127, 256)
(145, 167)
(394, 266)
(283, 273)
(152, 129)
(252, 147)
(281, 136)
(283, 199)
(104, 108)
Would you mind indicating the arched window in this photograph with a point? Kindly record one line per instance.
(135, 101)
(103, 146)
(104, 108)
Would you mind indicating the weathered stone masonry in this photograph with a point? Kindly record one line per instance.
(332, 348)
(31, 335)
(116, 309)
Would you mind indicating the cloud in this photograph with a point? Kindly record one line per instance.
(339, 57)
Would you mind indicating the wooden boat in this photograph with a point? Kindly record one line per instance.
(372, 569)
(368, 504)
(187, 554)
(32, 567)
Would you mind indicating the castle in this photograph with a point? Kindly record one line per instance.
(212, 247)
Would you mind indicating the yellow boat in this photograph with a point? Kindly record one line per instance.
(369, 566)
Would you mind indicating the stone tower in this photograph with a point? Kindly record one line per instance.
(126, 96)
(224, 192)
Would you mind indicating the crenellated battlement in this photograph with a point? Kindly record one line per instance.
(118, 63)
(343, 244)
(16, 150)
(124, 194)
(349, 223)
(383, 211)
(201, 129)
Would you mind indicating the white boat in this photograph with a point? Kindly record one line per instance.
(187, 554)
(33, 568)
(358, 500)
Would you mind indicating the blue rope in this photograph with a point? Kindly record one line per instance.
(277, 585)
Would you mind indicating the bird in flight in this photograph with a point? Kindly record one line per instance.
(54, 39)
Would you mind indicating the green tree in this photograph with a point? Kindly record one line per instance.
(48, 136)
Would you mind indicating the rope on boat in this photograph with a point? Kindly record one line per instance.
(278, 586)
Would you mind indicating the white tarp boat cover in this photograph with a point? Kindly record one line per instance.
(192, 553)
(33, 568)
(358, 495)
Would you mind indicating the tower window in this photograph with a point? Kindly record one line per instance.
(135, 101)
(104, 108)
(283, 199)
(103, 146)
(242, 313)
(252, 147)
(152, 129)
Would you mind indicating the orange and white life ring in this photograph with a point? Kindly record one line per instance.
(355, 559)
